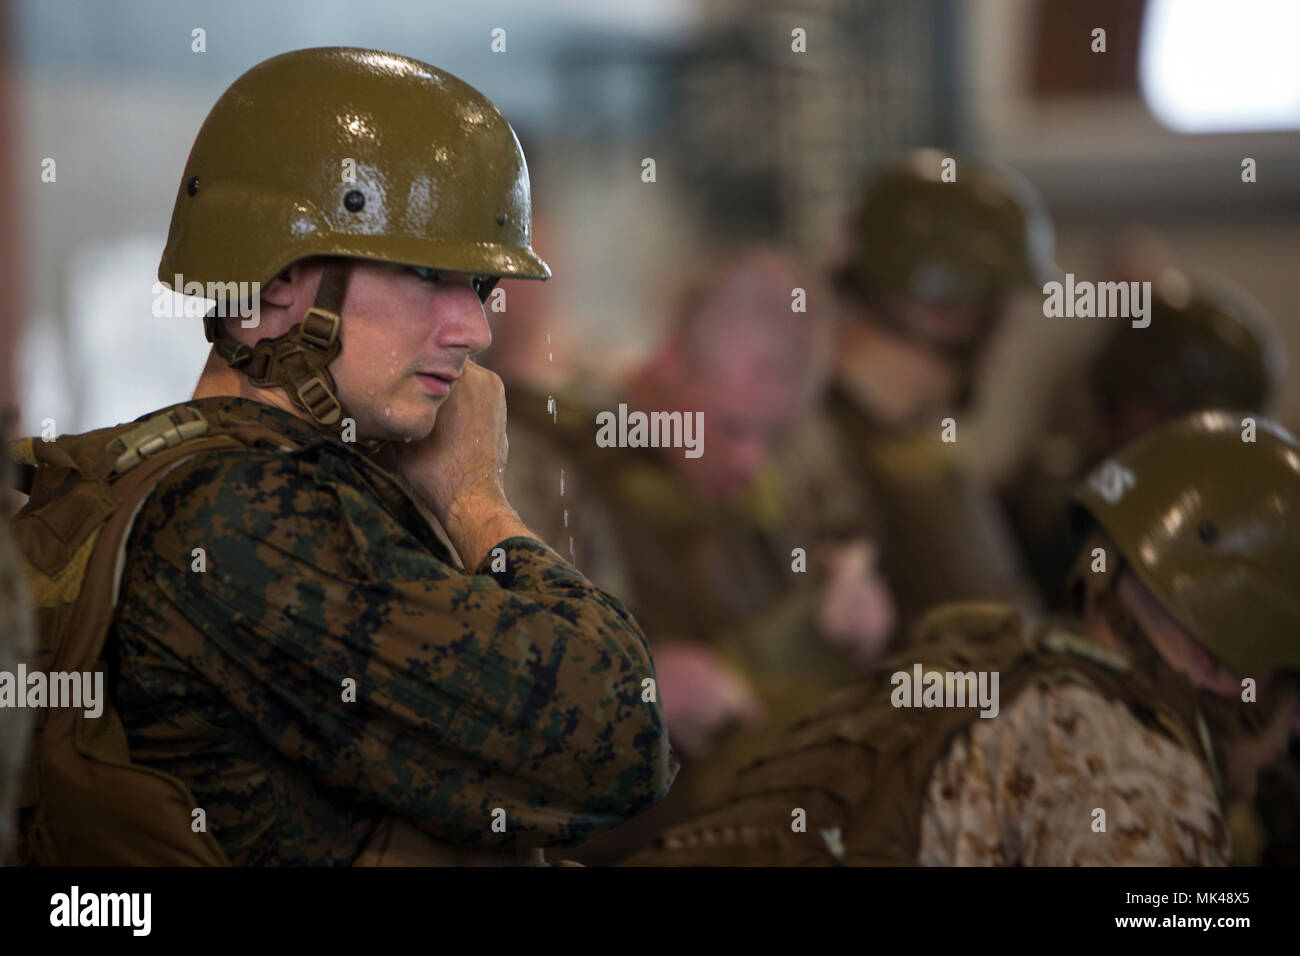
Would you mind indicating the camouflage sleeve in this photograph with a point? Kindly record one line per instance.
(1024, 788)
(825, 497)
(519, 689)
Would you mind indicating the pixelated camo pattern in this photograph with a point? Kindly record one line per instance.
(518, 690)
(1022, 789)
(879, 785)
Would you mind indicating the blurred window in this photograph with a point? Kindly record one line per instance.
(1207, 66)
(112, 359)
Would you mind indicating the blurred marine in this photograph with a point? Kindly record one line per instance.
(931, 265)
(1134, 736)
(1208, 345)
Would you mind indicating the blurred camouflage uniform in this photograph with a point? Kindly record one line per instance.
(16, 643)
(940, 534)
(892, 786)
(1081, 726)
(1209, 345)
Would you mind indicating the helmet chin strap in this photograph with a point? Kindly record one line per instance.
(297, 360)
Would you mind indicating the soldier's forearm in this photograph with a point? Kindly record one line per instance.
(476, 523)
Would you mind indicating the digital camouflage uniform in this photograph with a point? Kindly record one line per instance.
(886, 786)
(520, 689)
(1209, 344)
(1080, 727)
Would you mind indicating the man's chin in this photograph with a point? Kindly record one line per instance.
(406, 428)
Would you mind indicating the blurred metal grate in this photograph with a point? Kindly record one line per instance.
(775, 141)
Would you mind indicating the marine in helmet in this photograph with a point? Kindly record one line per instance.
(1134, 735)
(1209, 345)
(333, 640)
(936, 248)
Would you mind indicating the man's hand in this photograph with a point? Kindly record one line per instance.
(458, 469)
(855, 609)
(702, 695)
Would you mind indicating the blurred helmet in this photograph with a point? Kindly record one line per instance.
(948, 242)
(1210, 523)
(1209, 345)
(350, 153)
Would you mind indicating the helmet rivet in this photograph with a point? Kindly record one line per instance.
(192, 186)
(354, 201)
(501, 219)
(1208, 532)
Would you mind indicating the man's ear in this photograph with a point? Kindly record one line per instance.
(279, 291)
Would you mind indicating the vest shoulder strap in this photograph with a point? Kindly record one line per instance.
(82, 800)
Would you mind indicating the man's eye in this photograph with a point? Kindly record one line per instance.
(429, 275)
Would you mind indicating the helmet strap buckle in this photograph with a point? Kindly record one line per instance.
(319, 328)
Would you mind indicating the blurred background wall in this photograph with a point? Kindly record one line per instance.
(750, 140)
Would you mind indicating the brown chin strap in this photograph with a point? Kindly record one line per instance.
(297, 360)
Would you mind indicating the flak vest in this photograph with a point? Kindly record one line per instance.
(860, 767)
(83, 802)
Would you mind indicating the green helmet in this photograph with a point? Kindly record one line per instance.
(959, 241)
(1209, 345)
(348, 153)
(1210, 523)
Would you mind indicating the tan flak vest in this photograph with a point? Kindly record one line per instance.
(82, 801)
(861, 767)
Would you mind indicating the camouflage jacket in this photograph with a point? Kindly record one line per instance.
(873, 777)
(323, 663)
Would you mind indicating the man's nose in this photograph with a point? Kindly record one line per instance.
(462, 323)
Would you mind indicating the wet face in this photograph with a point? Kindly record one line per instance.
(406, 335)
